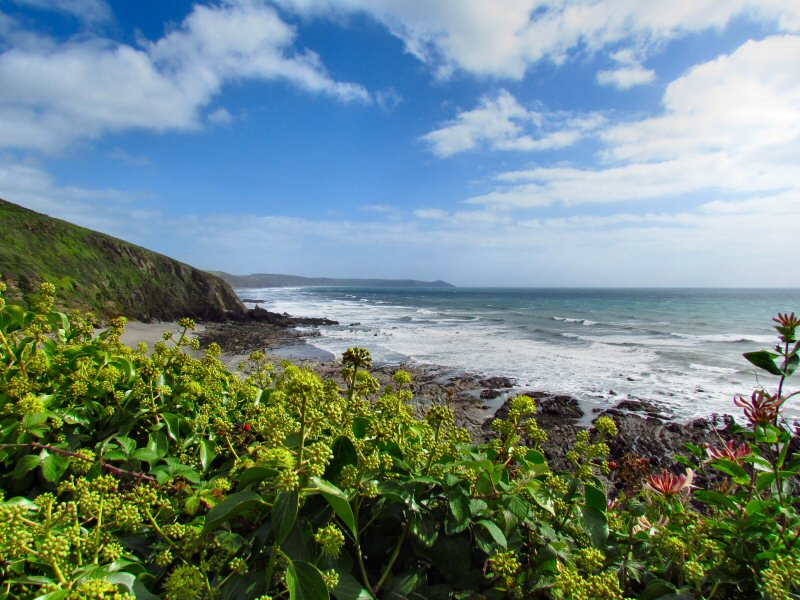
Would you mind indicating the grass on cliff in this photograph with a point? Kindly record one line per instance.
(94, 271)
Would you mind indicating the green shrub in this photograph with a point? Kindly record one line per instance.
(135, 474)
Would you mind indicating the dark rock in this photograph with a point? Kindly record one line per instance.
(490, 394)
(497, 382)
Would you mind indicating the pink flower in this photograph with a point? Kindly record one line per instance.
(644, 524)
(729, 452)
(786, 325)
(761, 409)
(668, 484)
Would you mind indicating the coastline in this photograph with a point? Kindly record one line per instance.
(647, 430)
(647, 433)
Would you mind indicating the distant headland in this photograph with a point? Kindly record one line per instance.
(262, 280)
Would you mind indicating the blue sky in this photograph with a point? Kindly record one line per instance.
(484, 142)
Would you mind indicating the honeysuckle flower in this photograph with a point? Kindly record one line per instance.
(644, 524)
(761, 409)
(786, 325)
(669, 484)
(730, 452)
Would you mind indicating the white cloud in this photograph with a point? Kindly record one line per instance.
(503, 39)
(220, 116)
(53, 94)
(502, 123)
(730, 126)
(629, 72)
(430, 213)
(89, 11)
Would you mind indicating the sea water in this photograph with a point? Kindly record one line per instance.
(681, 348)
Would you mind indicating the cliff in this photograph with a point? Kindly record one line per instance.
(96, 272)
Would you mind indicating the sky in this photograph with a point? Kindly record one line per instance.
(483, 142)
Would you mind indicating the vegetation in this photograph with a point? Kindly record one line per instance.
(130, 474)
(97, 272)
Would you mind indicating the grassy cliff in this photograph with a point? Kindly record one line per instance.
(106, 275)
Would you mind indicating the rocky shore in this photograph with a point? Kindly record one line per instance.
(646, 432)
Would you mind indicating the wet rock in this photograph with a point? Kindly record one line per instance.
(497, 382)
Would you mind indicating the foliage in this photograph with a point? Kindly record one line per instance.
(131, 474)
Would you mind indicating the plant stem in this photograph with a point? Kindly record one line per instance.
(273, 557)
(393, 558)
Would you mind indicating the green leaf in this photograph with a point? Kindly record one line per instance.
(755, 507)
(127, 444)
(715, 498)
(360, 427)
(460, 513)
(33, 420)
(658, 588)
(173, 425)
(764, 480)
(541, 496)
(207, 454)
(344, 453)
(305, 582)
(349, 588)
(159, 443)
(596, 525)
(53, 467)
(516, 506)
(497, 535)
(255, 475)
(424, 528)
(403, 585)
(596, 498)
(25, 464)
(764, 360)
(791, 364)
(233, 505)
(737, 473)
(339, 502)
(284, 515)
(146, 455)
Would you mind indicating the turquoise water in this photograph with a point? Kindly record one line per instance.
(680, 347)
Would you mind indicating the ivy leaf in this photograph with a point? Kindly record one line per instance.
(349, 588)
(207, 454)
(424, 528)
(497, 535)
(173, 425)
(459, 518)
(339, 502)
(53, 467)
(596, 498)
(596, 525)
(305, 582)
(25, 464)
(233, 505)
(284, 515)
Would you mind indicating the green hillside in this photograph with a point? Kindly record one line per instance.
(93, 271)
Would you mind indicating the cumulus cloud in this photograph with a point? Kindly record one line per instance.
(500, 122)
(52, 94)
(503, 39)
(731, 125)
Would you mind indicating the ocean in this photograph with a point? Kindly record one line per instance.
(681, 348)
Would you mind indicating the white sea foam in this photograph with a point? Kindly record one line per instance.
(585, 358)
